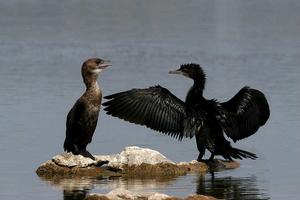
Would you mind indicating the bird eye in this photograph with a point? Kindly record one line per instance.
(99, 61)
(183, 69)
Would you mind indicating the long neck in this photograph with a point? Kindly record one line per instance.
(199, 82)
(195, 94)
(93, 94)
(90, 81)
(92, 87)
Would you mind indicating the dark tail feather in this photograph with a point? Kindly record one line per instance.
(239, 154)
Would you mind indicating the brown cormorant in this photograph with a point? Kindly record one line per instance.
(157, 108)
(82, 118)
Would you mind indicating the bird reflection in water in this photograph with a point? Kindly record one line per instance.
(237, 188)
(75, 194)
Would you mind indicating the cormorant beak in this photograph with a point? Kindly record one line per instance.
(104, 64)
(177, 71)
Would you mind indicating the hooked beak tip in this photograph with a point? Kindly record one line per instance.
(106, 63)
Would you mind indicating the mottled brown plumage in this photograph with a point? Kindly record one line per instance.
(82, 118)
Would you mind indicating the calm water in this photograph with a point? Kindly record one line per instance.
(42, 46)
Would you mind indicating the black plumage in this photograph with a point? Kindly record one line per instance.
(83, 117)
(157, 108)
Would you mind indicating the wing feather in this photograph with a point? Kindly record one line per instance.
(156, 108)
(245, 113)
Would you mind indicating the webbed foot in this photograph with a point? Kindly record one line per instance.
(87, 154)
(101, 162)
(215, 164)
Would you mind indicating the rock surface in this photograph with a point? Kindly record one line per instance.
(130, 156)
(133, 162)
(50, 170)
(134, 155)
(70, 160)
(122, 194)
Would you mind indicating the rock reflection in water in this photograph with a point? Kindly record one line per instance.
(78, 188)
(138, 184)
(73, 188)
(237, 188)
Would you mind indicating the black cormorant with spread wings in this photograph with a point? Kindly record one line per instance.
(157, 108)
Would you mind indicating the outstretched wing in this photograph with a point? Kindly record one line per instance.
(246, 112)
(156, 108)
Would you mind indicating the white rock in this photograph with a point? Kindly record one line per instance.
(158, 196)
(71, 160)
(188, 163)
(193, 162)
(134, 155)
(105, 157)
(183, 163)
(120, 194)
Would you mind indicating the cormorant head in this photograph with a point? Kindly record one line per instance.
(193, 71)
(93, 66)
